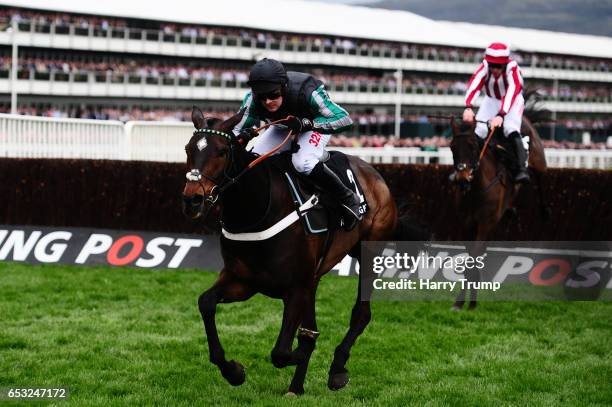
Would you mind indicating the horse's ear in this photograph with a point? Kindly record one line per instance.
(197, 117)
(228, 125)
(453, 124)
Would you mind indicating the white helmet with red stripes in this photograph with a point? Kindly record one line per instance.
(497, 53)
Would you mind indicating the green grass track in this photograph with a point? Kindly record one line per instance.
(119, 337)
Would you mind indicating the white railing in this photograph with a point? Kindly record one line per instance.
(563, 158)
(38, 137)
(390, 155)
(158, 141)
(557, 157)
(42, 137)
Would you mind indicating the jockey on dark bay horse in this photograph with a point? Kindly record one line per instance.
(503, 103)
(276, 94)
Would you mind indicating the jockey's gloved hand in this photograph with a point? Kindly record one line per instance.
(298, 126)
(496, 122)
(246, 135)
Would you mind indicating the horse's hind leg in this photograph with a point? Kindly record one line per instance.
(545, 210)
(224, 290)
(360, 317)
(307, 337)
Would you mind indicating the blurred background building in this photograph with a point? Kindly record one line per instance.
(152, 61)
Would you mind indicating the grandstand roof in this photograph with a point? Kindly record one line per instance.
(332, 19)
(529, 40)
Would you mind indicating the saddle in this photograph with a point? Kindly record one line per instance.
(327, 215)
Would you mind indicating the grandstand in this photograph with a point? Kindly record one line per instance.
(134, 61)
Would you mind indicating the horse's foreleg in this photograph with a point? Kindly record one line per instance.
(360, 317)
(477, 249)
(459, 300)
(474, 277)
(307, 338)
(467, 235)
(292, 316)
(224, 290)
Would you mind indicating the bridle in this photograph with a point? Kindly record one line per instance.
(476, 162)
(195, 175)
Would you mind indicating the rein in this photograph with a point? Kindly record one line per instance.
(275, 149)
(488, 139)
(196, 176)
(486, 143)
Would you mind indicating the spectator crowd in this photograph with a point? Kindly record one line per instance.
(203, 73)
(42, 21)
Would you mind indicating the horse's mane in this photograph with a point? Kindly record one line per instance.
(534, 110)
(211, 122)
(466, 128)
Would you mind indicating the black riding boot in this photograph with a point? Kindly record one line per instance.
(323, 176)
(521, 154)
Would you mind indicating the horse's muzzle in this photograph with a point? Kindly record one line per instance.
(193, 206)
(463, 176)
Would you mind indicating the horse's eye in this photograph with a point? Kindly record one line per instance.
(222, 152)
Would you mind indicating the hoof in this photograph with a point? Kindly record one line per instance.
(338, 380)
(234, 373)
(297, 390)
(281, 359)
(472, 306)
(456, 308)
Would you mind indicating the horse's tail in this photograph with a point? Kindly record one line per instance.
(534, 109)
(408, 229)
(535, 113)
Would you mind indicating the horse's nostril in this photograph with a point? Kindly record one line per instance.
(194, 201)
(197, 200)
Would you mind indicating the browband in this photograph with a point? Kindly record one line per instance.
(213, 132)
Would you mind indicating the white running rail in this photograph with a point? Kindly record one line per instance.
(158, 141)
(43, 137)
(37, 137)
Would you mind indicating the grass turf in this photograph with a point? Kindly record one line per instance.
(119, 336)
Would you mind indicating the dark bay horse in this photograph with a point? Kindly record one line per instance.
(287, 266)
(486, 188)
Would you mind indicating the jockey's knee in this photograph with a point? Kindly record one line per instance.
(509, 131)
(512, 133)
(303, 165)
(481, 130)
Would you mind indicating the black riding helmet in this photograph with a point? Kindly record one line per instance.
(266, 76)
